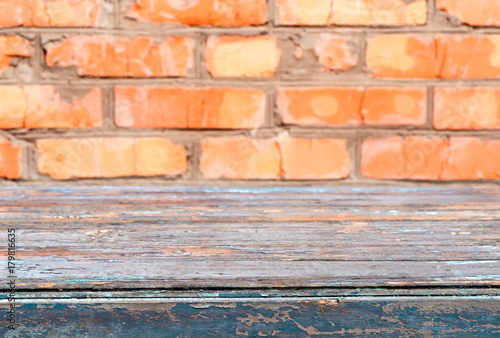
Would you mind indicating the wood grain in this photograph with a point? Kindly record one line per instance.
(307, 317)
(161, 237)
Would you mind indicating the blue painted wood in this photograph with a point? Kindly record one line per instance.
(373, 317)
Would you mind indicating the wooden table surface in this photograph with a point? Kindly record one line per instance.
(165, 247)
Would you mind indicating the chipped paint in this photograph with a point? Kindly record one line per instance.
(176, 257)
(389, 318)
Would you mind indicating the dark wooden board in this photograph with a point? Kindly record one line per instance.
(292, 317)
(165, 237)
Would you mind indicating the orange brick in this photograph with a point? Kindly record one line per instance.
(43, 107)
(320, 106)
(470, 57)
(110, 157)
(335, 53)
(46, 109)
(415, 158)
(10, 160)
(12, 46)
(382, 158)
(304, 12)
(239, 56)
(86, 158)
(379, 12)
(13, 105)
(196, 108)
(466, 108)
(424, 158)
(84, 13)
(201, 12)
(336, 106)
(142, 107)
(394, 106)
(240, 158)
(135, 57)
(448, 57)
(17, 12)
(159, 156)
(352, 12)
(403, 56)
(472, 159)
(314, 159)
(225, 108)
(475, 13)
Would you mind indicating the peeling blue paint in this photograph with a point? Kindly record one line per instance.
(288, 319)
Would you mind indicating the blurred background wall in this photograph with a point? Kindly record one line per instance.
(237, 92)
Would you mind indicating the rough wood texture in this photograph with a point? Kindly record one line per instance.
(159, 237)
(374, 317)
(285, 262)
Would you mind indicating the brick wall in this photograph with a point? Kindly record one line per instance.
(192, 91)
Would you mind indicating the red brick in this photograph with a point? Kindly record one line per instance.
(290, 158)
(43, 107)
(13, 105)
(461, 158)
(304, 12)
(196, 108)
(470, 57)
(352, 12)
(225, 108)
(394, 106)
(415, 158)
(10, 160)
(135, 57)
(467, 108)
(240, 158)
(475, 13)
(12, 46)
(424, 157)
(379, 12)
(446, 56)
(320, 106)
(110, 157)
(382, 158)
(314, 159)
(84, 13)
(403, 56)
(240, 56)
(348, 105)
(201, 12)
(46, 109)
(335, 52)
(472, 159)
(159, 156)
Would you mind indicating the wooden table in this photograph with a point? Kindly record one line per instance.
(197, 262)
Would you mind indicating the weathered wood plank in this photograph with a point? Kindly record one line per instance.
(375, 316)
(259, 293)
(160, 237)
